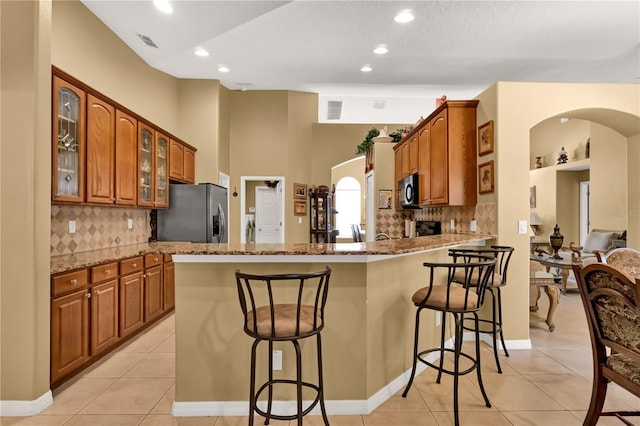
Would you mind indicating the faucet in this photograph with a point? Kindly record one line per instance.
(382, 236)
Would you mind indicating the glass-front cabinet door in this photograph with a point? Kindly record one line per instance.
(68, 153)
(146, 175)
(162, 171)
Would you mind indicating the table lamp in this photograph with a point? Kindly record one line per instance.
(534, 222)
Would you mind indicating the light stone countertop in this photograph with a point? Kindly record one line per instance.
(68, 262)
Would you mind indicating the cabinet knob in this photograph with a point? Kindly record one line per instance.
(108, 271)
(88, 295)
(155, 259)
(73, 282)
(134, 265)
(97, 292)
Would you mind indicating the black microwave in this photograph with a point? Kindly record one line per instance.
(408, 192)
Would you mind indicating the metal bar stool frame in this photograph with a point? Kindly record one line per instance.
(503, 256)
(269, 331)
(472, 300)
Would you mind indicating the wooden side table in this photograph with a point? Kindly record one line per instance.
(539, 279)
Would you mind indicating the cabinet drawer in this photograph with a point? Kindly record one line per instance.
(104, 272)
(168, 258)
(70, 281)
(131, 265)
(152, 260)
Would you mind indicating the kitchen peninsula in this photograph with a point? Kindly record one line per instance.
(367, 340)
(369, 321)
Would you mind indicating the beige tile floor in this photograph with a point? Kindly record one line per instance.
(548, 385)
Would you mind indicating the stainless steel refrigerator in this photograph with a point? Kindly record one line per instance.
(196, 213)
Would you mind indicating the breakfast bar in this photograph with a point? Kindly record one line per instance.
(367, 339)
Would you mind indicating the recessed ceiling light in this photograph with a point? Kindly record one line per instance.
(403, 17)
(201, 52)
(163, 6)
(366, 68)
(222, 68)
(380, 50)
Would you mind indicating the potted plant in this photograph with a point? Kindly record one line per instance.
(367, 143)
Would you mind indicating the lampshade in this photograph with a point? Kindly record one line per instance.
(534, 219)
(531, 233)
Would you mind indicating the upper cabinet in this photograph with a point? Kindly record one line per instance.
(103, 154)
(182, 162)
(101, 118)
(126, 159)
(68, 153)
(442, 148)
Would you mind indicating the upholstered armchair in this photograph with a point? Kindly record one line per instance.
(598, 240)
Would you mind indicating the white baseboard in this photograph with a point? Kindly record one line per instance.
(26, 408)
(333, 407)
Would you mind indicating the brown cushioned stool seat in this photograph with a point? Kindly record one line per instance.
(284, 307)
(456, 300)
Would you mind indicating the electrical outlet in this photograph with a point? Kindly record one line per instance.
(299, 220)
(453, 224)
(438, 318)
(277, 360)
(522, 227)
(473, 226)
(72, 226)
(129, 223)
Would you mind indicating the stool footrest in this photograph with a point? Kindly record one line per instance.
(485, 321)
(444, 370)
(288, 382)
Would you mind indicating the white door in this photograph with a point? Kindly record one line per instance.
(269, 220)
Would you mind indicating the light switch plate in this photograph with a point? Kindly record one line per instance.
(277, 360)
(452, 224)
(473, 226)
(522, 227)
(72, 226)
(299, 220)
(129, 223)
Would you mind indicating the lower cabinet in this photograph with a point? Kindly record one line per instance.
(169, 284)
(104, 316)
(131, 303)
(89, 317)
(69, 333)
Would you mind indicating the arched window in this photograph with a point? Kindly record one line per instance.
(347, 202)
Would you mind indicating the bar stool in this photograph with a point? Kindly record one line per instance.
(496, 282)
(284, 307)
(458, 300)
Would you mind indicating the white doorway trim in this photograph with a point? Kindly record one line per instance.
(243, 191)
(584, 211)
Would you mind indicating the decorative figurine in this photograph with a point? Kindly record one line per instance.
(562, 156)
(538, 162)
(556, 240)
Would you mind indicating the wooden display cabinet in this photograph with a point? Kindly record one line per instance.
(322, 218)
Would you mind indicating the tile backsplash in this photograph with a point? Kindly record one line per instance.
(96, 228)
(392, 222)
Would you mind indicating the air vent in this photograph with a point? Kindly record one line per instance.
(147, 41)
(334, 110)
(379, 104)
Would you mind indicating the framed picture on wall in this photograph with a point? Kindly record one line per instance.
(300, 208)
(485, 138)
(485, 177)
(300, 191)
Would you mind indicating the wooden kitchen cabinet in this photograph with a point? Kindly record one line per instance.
(413, 154)
(446, 155)
(131, 295)
(182, 162)
(100, 151)
(68, 144)
(162, 171)
(424, 164)
(104, 316)
(126, 164)
(169, 284)
(153, 304)
(69, 333)
(189, 165)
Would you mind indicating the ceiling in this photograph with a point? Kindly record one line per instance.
(452, 48)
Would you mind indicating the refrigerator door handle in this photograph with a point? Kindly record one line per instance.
(223, 225)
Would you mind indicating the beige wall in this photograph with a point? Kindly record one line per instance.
(522, 106)
(25, 182)
(633, 225)
(84, 47)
